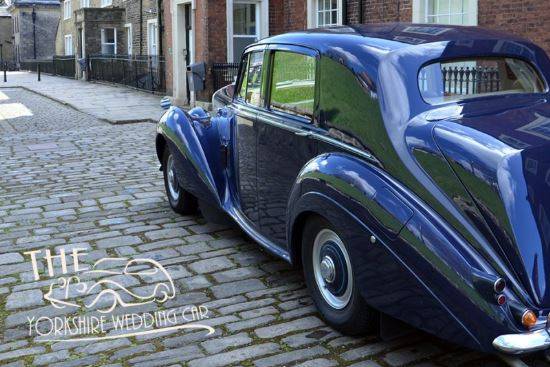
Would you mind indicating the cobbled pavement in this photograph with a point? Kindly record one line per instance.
(68, 180)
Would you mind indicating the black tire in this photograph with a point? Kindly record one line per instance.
(356, 317)
(184, 203)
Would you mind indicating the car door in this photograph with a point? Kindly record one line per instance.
(245, 105)
(284, 145)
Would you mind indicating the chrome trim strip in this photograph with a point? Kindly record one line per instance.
(345, 146)
(523, 342)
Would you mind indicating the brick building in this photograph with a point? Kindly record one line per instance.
(216, 31)
(34, 28)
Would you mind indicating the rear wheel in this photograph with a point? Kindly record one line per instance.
(181, 201)
(329, 276)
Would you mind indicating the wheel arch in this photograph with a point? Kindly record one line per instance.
(160, 146)
(296, 233)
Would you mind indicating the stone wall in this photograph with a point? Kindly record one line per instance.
(6, 33)
(136, 13)
(47, 20)
(95, 19)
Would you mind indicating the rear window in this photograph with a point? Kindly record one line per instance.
(474, 77)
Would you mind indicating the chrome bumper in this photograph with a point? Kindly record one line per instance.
(523, 343)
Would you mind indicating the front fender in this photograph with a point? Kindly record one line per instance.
(196, 148)
(418, 271)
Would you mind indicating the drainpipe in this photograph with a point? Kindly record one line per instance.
(34, 32)
(360, 11)
(160, 27)
(140, 27)
(345, 12)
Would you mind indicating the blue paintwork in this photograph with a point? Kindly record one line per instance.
(455, 193)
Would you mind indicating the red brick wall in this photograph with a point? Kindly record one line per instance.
(287, 15)
(217, 31)
(276, 17)
(377, 11)
(295, 15)
(527, 18)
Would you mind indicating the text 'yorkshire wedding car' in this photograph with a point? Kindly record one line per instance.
(405, 167)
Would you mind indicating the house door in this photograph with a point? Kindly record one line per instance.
(188, 41)
(183, 23)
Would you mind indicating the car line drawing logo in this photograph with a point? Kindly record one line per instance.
(111, 287)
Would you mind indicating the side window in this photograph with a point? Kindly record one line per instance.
(349, 108)
(251, 82)
(293, 83)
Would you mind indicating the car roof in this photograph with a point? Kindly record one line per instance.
(386, 37)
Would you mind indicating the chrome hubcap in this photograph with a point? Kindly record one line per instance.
(332, 269)
(173, 186)
(327, 269)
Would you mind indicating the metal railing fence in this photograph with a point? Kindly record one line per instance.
(224, 74)
(147, 73)
(470, 80)
(58, 65)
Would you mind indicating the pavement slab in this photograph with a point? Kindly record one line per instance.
(109, 102)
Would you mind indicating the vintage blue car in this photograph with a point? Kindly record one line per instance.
(405, 167)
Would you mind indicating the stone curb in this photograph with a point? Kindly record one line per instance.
(110, 121)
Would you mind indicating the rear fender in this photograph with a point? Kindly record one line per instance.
(414, 271)
(366, 194)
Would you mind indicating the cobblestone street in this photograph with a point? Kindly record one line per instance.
(69, 180)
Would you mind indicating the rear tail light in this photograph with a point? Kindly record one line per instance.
(499, 285)
(528, 319)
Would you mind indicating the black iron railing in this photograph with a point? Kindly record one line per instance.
(147, 73)
(224, 74)
(58, 65)
(8, 65)
(470, 80)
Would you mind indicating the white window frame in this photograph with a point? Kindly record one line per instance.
(129, 40)
(84, 3)
(67, 9)
(262, 20)
(103, 39)
(105, 3)
(151, 23)
(312, 10)
(68, 41)
(421, 12)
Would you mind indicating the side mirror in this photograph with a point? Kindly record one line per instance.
(165, 103)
